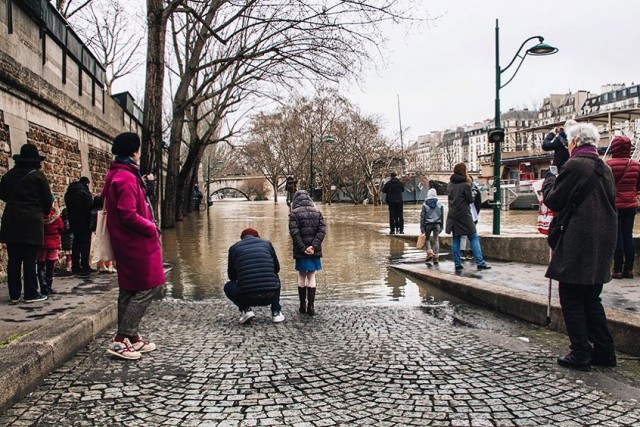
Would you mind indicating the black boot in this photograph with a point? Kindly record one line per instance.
(302, 293)
(311, 299)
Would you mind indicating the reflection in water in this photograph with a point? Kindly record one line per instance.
(356, 250)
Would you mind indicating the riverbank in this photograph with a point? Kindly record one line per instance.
(58, 328)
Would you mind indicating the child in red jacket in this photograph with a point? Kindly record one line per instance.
(48, 253)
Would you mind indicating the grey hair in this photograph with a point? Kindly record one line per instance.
(583, 134)
(569, 123)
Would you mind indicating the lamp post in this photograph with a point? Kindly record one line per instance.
(497, 136)
(328, 139)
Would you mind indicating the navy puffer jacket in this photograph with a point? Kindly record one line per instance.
(306, 226)
(253, 263)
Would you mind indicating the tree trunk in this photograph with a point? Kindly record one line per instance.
(188, 178)
(151, 155)
(274, 184)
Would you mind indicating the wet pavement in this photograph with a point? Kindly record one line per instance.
(384, 349)
(349, 365)
(71, 292)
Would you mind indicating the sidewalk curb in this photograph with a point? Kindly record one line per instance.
(27, 361)
(623, 325)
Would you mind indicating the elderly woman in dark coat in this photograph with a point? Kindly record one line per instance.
(307, 229)
(459, 220)
(581, 259)
(26, 191)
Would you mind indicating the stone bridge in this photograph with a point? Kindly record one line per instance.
(243, 184)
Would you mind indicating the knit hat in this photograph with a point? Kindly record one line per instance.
(432, 194)
(125, 144)
(249, 232)
(621, 147)
(28, 154)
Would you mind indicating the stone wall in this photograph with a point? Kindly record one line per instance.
(5, 152)
(63, 162)
(99, 161)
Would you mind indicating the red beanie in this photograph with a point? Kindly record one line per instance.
(249, 232)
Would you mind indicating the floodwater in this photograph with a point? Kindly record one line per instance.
(356, 252)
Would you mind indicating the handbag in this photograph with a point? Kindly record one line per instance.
(101, 247)
(422, 239)
(559, 223)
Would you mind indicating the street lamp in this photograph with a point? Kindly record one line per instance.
(328, 139)
(497, 136)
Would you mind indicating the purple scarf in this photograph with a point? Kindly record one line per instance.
(584, 149)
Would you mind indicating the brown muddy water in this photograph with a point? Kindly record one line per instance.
(357, 250)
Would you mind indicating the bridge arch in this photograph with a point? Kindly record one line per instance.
(219, 190)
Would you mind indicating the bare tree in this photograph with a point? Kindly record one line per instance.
(110, 30)
(68, 8)
(265, 42)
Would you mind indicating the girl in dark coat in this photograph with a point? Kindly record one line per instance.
(307, 229)
(459, 220)
(581, 259)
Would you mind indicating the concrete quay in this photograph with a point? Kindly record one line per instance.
(36, 338)
(519, 288)
(353, 364)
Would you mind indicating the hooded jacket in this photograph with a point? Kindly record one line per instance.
(306, 226)
(626, 173)
(432, 213)
(53, 228)
(459, 220)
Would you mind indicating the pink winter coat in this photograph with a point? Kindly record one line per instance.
(133, 234)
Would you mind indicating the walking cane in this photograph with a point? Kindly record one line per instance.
(549, 296)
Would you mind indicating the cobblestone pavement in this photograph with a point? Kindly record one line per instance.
(349, 365)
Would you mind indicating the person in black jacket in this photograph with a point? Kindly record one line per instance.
(394, 189)
(556, 141)
(459, 220)
(26, 191)
(253, 269)
(307, 230)
(79, 202)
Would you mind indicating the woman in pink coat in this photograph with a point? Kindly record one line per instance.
(136, 245)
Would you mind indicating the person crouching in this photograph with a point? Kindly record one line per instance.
(253, 276)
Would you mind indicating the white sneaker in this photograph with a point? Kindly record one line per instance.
(111, 269)
(278, 317)
(246, 316)
(123, 350)
(143, 346)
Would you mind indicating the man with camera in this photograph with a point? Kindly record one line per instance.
(556, 141)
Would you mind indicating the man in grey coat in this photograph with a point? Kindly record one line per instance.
(581, 260)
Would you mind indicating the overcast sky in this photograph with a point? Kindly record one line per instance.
(445, 74)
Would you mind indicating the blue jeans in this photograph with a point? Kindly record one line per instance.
(624, 255)
(245, 301)
(475, 248)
